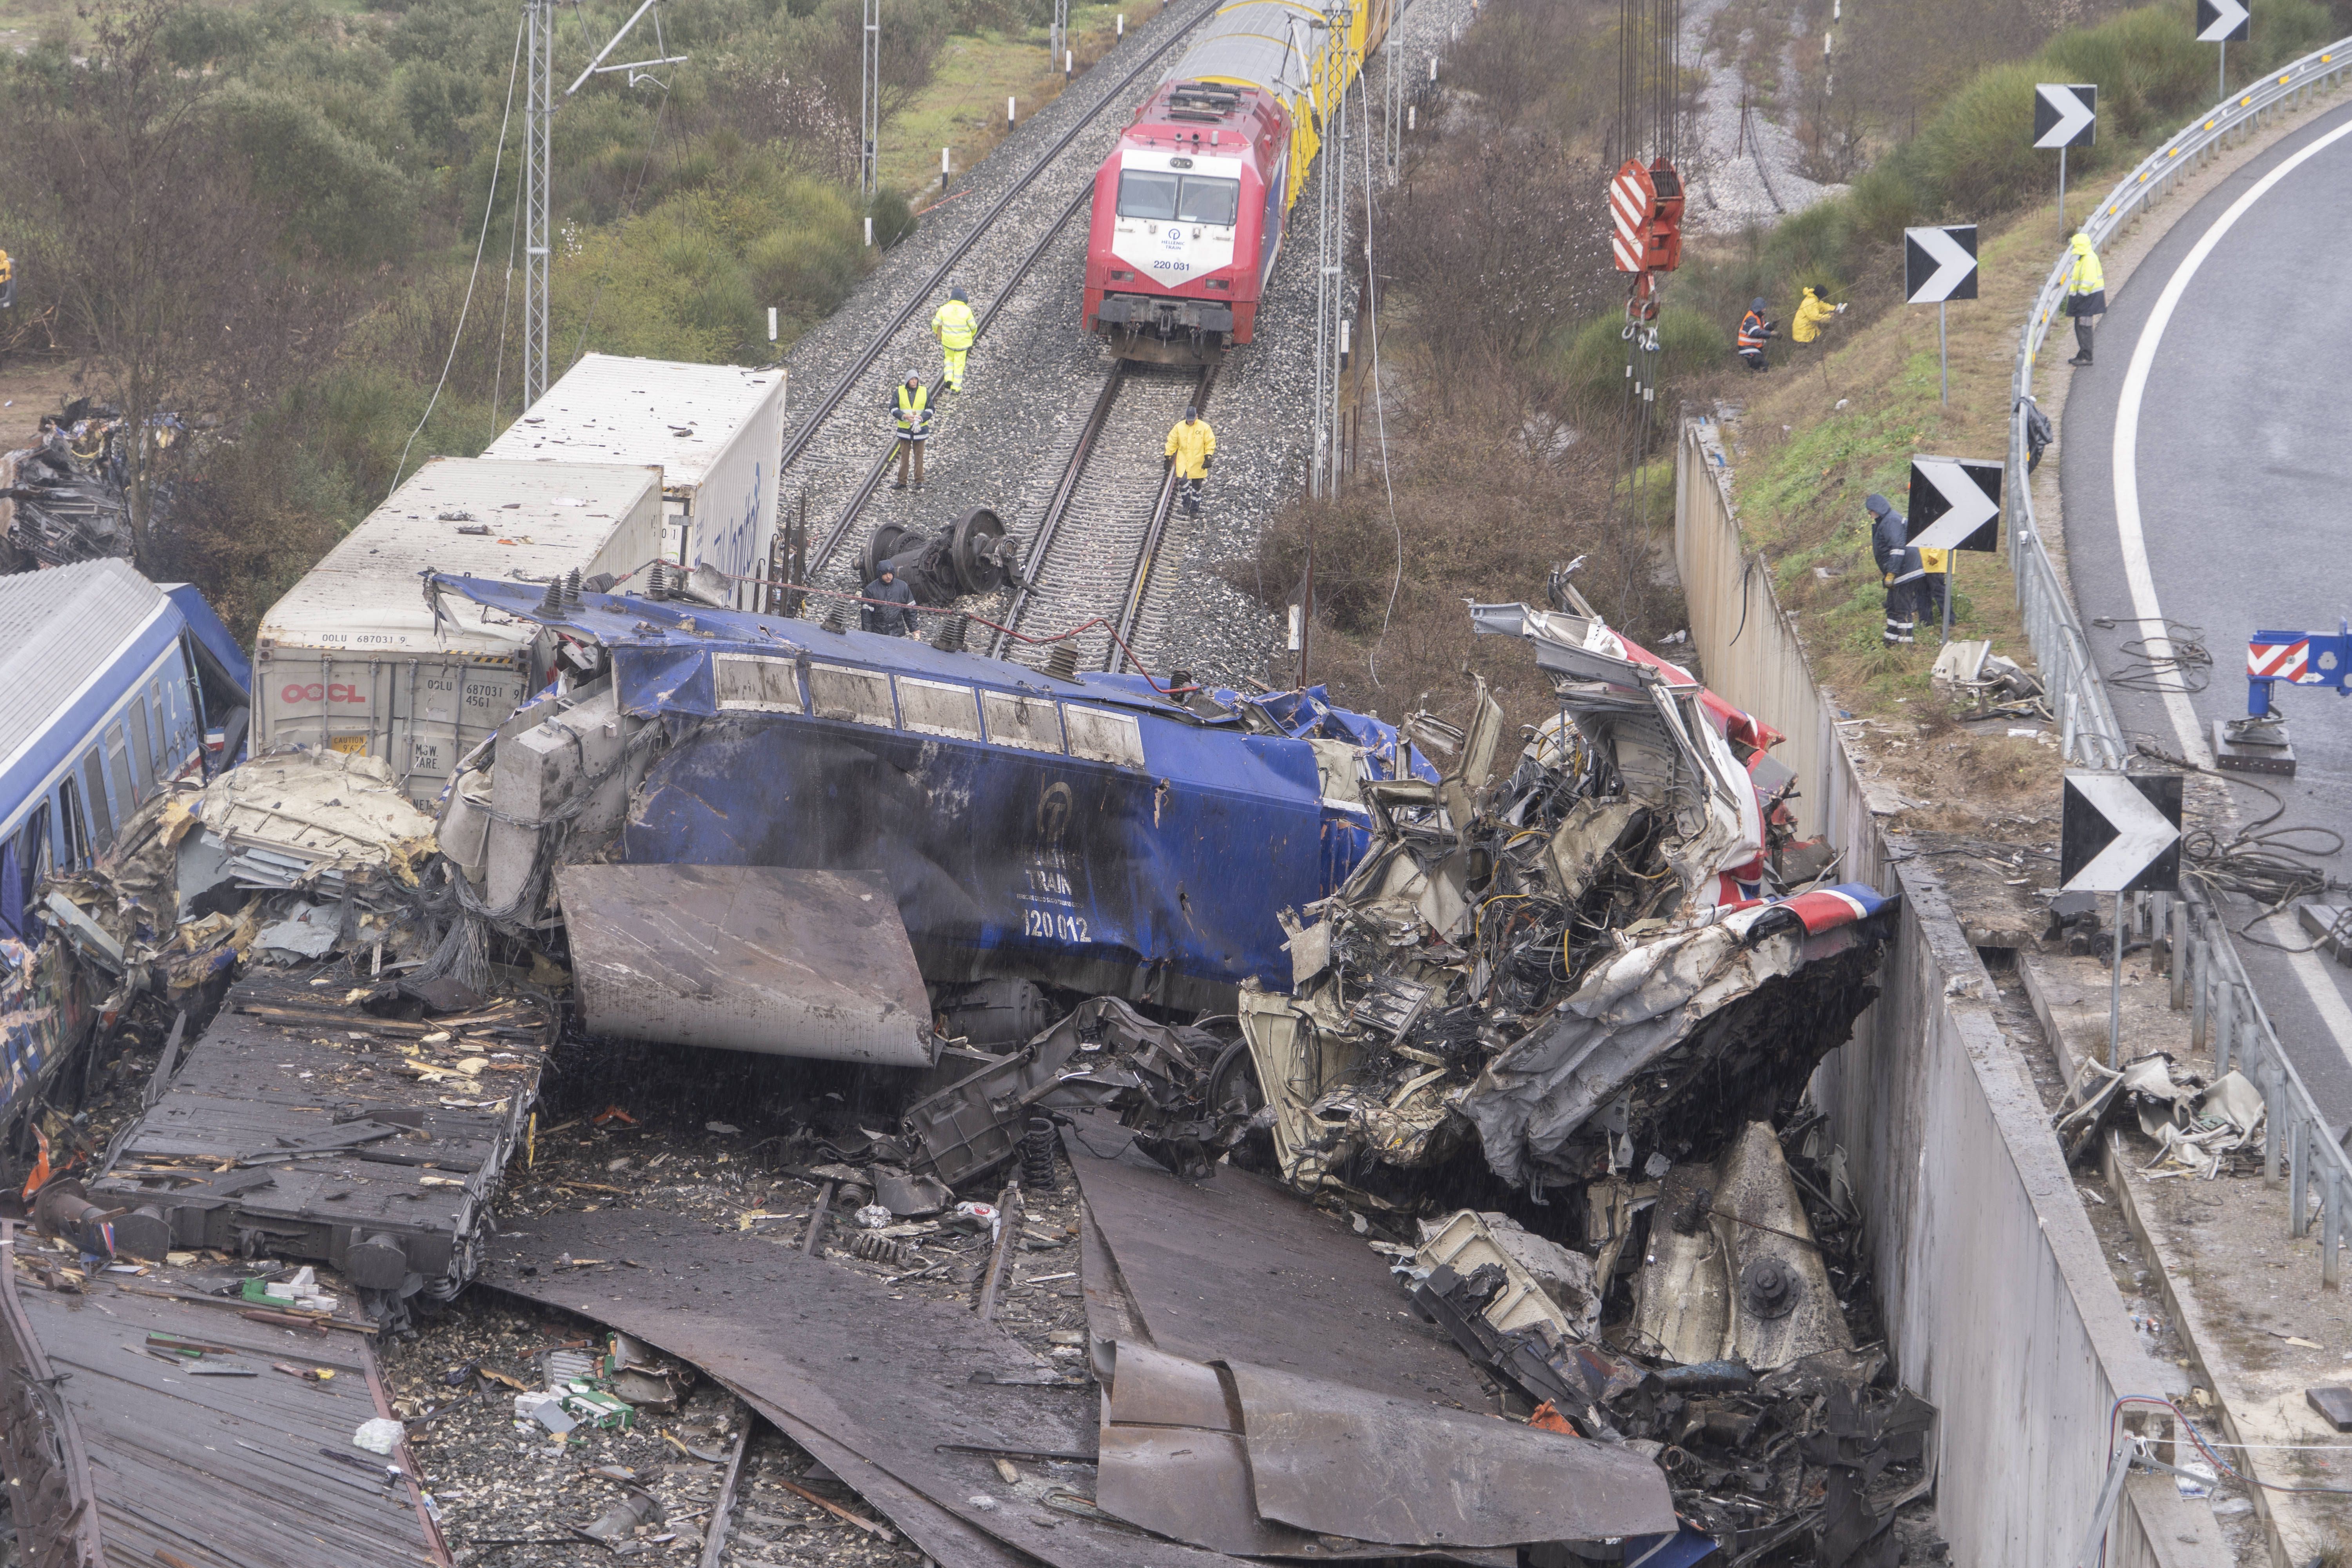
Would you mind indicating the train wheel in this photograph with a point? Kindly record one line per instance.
(884, 543)
(973, 551)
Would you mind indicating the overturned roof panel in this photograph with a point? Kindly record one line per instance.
(748, 958)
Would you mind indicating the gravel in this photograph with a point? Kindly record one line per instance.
(509, 1496)
(1005, 441)
(513, 1494)
(1761, 183)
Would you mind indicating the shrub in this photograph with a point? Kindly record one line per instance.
(894, 220)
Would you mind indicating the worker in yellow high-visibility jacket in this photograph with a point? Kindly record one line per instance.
(2086, 294)
(1192, 447)
(955, 327)
(1814, 313)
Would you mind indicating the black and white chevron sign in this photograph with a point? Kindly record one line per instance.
(1954, 503)
(2065, 114)
(1939, 263)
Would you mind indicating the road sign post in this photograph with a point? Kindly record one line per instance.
(1939, 263)
(2224, 22)
(2065, 114)
(1955, 506)
(2119, 834)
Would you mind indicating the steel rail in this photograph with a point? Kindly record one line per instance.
(1130, 615)
(2214, 988)
(1112, 99)
(1058, 507)
(873, 480)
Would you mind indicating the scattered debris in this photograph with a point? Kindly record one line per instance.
(63, 501)
(1433, 1182)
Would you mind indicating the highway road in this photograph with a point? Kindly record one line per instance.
(2206, 482)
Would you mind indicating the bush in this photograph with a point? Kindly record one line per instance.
(1594, 364)
(894, 220)
(802, 269)
(345, 200)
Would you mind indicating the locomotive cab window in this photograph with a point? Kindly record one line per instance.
(1207, 200)
(1147, 194)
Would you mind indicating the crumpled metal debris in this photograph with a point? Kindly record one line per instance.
(1733, 1272)
(1544, 1281)
(2224, 1119)
(1252, 1461)
(1162, 1080)
(65, 497)
(1519, 944)
(332, 823)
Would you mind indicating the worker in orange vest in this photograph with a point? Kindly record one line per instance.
(1753, 329)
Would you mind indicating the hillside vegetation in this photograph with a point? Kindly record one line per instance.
(266, 218)
(1514, 442)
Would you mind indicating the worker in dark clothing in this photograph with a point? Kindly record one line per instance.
(910, 403)
(885, 611)
(1899, 565)
(1753, 331)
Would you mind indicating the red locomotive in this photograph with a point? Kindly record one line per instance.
(1188, 209)
(1188, 218)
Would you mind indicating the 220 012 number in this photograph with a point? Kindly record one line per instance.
(1052, 927)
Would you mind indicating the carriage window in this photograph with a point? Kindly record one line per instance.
(1205, 200)
(143, 742)
(1147, 192)
(118, 761)
(102, 818)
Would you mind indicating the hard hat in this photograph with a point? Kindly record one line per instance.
(957, 293)
(1757, 303)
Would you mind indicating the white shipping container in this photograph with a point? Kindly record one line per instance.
(717, 430)
(354, 659)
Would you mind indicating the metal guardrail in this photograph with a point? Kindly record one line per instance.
(2207, 978)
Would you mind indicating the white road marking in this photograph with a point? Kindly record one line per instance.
(2320, 985)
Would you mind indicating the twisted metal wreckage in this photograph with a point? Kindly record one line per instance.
(1421, 982)
(1599, 967)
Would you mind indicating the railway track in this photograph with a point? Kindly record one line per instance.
(848, 447)
(1097, 552)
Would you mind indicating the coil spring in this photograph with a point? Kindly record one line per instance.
(872, 1247)
(1037, 1155)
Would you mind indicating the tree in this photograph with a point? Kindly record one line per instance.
(142, 229)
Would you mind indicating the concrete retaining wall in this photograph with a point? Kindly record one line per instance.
(1998, 1303)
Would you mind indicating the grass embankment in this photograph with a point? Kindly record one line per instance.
(1830, 424)
(963, 107)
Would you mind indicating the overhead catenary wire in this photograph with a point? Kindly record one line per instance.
(490, 205)
(506, 302)
(1380, 407)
